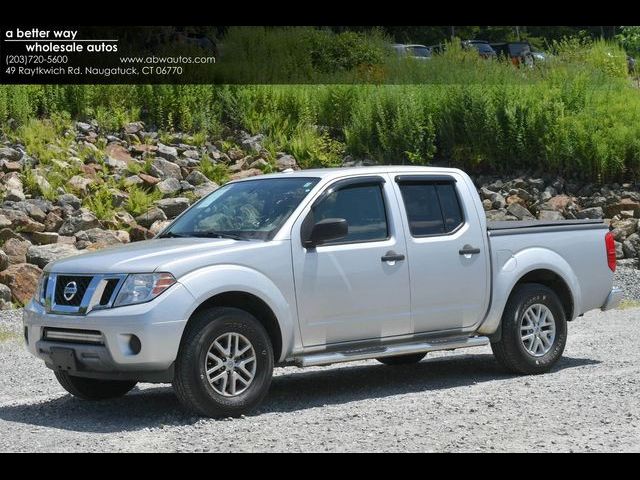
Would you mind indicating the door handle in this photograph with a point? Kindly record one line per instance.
(392, 256)
(468, 250)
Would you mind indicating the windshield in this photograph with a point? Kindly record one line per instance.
(252, 209)
(417, 51)
(483, 48)
(519, 49)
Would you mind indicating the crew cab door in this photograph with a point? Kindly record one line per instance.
(448, 261)
(345, 290)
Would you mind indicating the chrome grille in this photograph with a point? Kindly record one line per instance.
(70, 290)
(83, 292)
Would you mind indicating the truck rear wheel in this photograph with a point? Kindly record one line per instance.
(534, 330)
(92, 388)
(225, 363)
(402, 359)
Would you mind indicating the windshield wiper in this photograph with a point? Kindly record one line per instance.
(173, 235)
(213, 234)
(206, 234)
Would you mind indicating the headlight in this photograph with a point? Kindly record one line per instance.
(142, 287)
(41, 289)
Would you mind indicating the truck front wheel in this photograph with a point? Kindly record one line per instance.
(534, 330)
(225, 363)
(93, 389)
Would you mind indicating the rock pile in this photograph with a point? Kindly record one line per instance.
(175, 171)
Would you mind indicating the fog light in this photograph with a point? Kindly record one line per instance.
(134, 344)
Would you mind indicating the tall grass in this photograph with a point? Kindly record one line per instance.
(576, 115)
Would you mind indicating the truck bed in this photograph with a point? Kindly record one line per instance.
(538, 226)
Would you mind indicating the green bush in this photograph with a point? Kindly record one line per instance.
(140, 200)
(216, 172)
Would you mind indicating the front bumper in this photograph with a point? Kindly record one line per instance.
(613, 299)
(157, 324)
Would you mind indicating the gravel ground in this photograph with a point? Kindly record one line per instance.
(459, 401)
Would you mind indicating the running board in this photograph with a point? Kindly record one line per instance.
(326, 358)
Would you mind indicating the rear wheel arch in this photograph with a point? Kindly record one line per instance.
(553, 281)
(249, 303)
(549, 279)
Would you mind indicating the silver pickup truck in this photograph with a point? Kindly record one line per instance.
(311, 268)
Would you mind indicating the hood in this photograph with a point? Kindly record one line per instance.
(174, 255)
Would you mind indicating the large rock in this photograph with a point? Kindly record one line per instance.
(133, 127)
(158, 226)
(167, 152)
(22, 279)
(5, 297)
(52, 222)
(80, 184)
(149, 179)
(7, 233)
(624, 204)
(40, 255)
(285, 162)
(165, 169)
(499, 216)
(16, 249)
(592, 212)
(101, 238)
(68, 200)
(82, 220)
(152, 215)
(4, 260)
(205, 189)
(7, 166)
(119, 155)
(31, 209)
(623, 228)
(169, 186)
(558, 203)
(21, 222)
(631, 246)
(42, 238)
(138, 233)
(253, 142)
(196, 178)
(10, 154)
(550, 215)
(517, 210)
(172, 207)
(496, 200)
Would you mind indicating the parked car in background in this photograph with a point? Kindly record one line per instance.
(518, 52)
(437, 49)
(539, 55)
(482, 46)
(419, 52)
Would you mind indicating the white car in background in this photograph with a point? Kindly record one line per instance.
(419, 52)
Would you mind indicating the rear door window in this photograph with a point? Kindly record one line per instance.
(432, 208)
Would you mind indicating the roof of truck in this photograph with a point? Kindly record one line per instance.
(343, 171)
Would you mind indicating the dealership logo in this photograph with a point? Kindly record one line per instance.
(70, 291)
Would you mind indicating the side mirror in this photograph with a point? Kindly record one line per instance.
(327, 230)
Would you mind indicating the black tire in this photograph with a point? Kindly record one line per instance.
(402, 359)
(510, 350)
(190, 381)
(93, 389)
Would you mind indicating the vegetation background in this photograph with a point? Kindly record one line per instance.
(577, 114)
